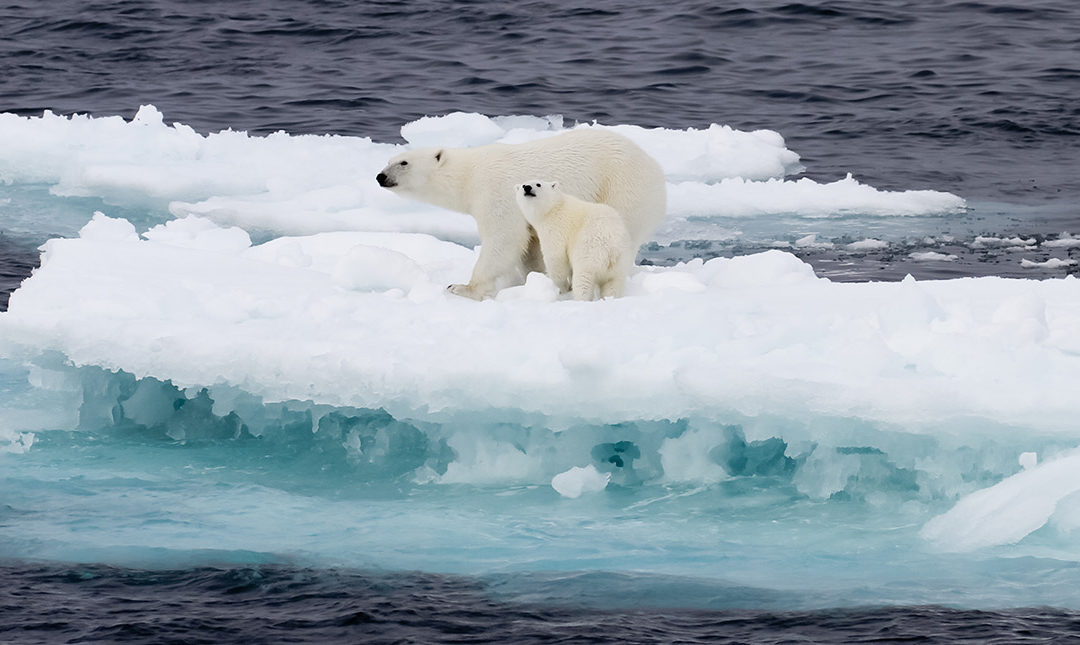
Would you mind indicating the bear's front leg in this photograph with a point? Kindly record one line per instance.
(501, 262)
(558, 268)
(584, 286)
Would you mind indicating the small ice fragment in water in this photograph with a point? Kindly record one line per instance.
(1064, 241)
(810, 241)
(576, 481)
(1029, 460)
(868, 245)
(932, 256)
(1052, 263)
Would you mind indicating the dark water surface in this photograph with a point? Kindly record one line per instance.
(975, 98)
(16, 261)
(96, 604)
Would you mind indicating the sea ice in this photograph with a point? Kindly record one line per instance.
(1064, 241)
(578, 481)
(1008, 511)
(985, 241)
(362, 319)
(1052, 263)
(272, 330)
(301, 185)
(932, 256)
(742, 197)
(868, 245)
(1028, 460)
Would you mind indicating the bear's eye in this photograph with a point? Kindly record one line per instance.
(404, 163)
(538, 185)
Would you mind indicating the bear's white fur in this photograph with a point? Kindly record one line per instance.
(585, 245)
(592, 164)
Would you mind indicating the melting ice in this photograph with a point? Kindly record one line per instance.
(248, 354)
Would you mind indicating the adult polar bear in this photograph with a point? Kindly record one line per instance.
(592, 164)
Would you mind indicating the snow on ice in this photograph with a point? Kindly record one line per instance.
(282, 271)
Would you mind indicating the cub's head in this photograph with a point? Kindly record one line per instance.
(536, 198)
(410, 172)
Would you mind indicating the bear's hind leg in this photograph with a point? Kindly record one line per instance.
(613, 288)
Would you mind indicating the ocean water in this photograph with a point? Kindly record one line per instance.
(282, 434)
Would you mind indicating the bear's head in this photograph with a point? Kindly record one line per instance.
(536, 198)
(411, 172)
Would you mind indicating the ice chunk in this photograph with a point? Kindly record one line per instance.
(457, 130)
(868, 245)
(988, 241)
(768, 268)
(716, 153)
(1064, 241)
(1028, 460)
(15, 442)
(578, 481)
(199, 233)
(538, 287)
(1008, 511)
(744, 197)
(103, 228)
(932, 256)
(1052, 263)
(811, 242)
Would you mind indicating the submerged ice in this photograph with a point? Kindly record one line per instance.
(262, 362)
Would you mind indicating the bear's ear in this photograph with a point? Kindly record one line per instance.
(554, 185)
(438, 156)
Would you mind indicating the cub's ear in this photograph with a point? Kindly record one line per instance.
(438, 156)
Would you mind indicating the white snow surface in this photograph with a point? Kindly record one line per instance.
(363, 319)
(300, 185)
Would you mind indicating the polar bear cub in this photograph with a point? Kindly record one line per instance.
(585, 245)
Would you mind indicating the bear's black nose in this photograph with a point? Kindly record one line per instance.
(381, 178)
(528, 189)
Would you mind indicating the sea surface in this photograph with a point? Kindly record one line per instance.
(974, 98)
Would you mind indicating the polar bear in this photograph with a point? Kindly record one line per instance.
(586, 246)
(592, 164)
